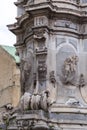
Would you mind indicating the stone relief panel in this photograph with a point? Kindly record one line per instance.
(66, 24)
(40, 21)
(71, 83)
(69, 70)
(65, 53)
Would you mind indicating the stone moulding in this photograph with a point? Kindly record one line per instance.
(75, 10)
(40, 120)
(64, 108)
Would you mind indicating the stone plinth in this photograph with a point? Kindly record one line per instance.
(40, 120)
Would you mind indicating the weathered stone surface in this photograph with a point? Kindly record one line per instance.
(52, 36)
(9, 78)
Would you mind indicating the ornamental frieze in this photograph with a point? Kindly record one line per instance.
(66, 24)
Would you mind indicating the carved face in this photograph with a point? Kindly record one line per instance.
(42, 67)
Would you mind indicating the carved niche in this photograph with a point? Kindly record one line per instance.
(41, 52)
(66, 63)
(41, 72)
(40, 55)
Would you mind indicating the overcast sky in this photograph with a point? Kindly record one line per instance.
(8, 13)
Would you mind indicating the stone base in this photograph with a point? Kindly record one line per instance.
(40, 120)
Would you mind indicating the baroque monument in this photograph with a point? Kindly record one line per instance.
(52, 46)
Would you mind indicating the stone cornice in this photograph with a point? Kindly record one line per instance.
(44, 9)
(21, 2)
(48, 9)
(16, 27)
(74, 9)
(22, 18)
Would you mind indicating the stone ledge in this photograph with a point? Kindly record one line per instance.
(62, 108)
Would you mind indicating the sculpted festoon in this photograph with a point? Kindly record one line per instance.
(52, 46)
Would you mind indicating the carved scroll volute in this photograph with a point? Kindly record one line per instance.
(30, 2)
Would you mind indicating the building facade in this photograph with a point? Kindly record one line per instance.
(51, 44)
(9, 77)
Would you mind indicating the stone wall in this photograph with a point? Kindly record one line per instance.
(9, 79)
